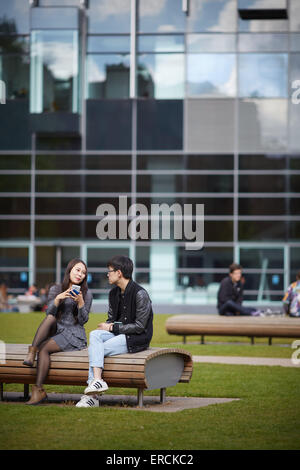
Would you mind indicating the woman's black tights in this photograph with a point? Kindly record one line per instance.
(46, 346)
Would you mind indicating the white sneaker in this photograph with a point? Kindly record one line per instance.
(87, 402)
(97, 386)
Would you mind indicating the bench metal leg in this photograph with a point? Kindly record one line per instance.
(184, 339)
(1, 392)
(270, 341)
(26, 391)
(140, 397)
(162, 395)
(252, 339)
(202, 339)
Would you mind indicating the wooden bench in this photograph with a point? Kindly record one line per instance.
(154, 368)
(216, 325)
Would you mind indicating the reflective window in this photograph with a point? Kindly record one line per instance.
(60, 18)
(187, 183)
(160, 124)
(294, 15)
(14, 230)
(108, 76)
(263, 75)
(83, 162)
(266, 206)
(295, 42)
(14, 71)
(262, 42)
(263, 25)
(161, 43)
(54, 71)
(163, 16)
(108, 43)
(211, 43)
(186, 162)
(14, 16)
(14, 44)
(212, 206)
(15, 162)
(14, 205)
(207, 258)
(216, 232)
(14, 183)
(262, 162)
(161, 76)
(262, 231)
(252, 4)
(88, 183)
(107, 16)
(212, 15)
(14, 257)
(59, 3)
(262, 183)
(263, 125)
(210, 125)
(211, 75)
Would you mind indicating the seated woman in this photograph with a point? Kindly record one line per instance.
(62, 329)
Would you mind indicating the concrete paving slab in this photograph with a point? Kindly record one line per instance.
(253, 361)
(129, 402)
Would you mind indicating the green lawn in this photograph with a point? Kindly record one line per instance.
(266, 416)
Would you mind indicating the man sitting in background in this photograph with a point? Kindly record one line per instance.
(230, 294)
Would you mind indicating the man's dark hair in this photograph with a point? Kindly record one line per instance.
(123, 263)
(234, 267)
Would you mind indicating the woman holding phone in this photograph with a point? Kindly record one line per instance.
(68, 310)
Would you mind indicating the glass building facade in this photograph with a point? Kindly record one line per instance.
(161, 101)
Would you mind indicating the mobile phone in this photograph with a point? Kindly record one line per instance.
(75, 289)
(118, 323)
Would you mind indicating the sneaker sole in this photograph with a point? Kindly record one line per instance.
(95, 392)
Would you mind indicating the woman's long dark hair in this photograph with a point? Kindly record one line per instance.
(66, 281)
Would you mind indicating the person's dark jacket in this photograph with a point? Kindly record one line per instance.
(230, 291)
(137, 316)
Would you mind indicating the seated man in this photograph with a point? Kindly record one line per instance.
(230, 294)
(128, 329)
(291, 300)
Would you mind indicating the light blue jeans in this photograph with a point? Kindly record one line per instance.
(104, 343)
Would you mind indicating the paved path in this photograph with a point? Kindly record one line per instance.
(253, 361)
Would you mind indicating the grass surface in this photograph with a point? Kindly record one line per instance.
(266, 416)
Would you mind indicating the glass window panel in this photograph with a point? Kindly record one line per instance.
(161, 76)
(58, 142)
(88, 183)
(295, 162)
(266, 206)
(49, 229)
(294, 231)
(14, 257)
(295, 73)
(211, 43)
(257, 258)
(98, 257)
(15, 14)
(84, 162)
(60, 18)
(15, 162)
(14, 71)
(295, 42)
(263, 75)
(142, 257)
(263, 42)
(212, 15)
(212, 206)
(206, 258)
(295, 259)
(54, 71)
(262, 183)
(115, 118)
(14, 230)
(14, 183)
(214, 231)
(61, 205)
(211, 75)
(295, 183)
(15, 280)
(108, 44)
(14, 205)
(14, 44)
(105, 16)
(165, 16)
(262, 125)
(260, 26)
(161, 43)
(59, 3)
(294, 206)
(294, 10)
(210, 125)
(174, 183)
(108, 76)
(198, 281)
(270, 281)
(262, 162)
(262, 231)
(160, 124)
(186, 162)
(68, 253)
